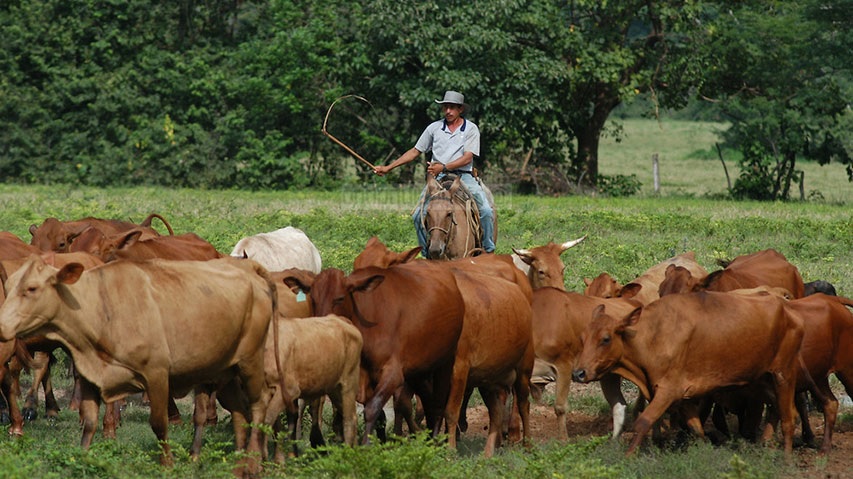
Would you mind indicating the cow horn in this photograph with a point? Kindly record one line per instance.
(569, 244)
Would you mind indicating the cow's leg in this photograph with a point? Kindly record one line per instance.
(458, 386)
(76, 393)
(212, 419)
(650, 415)
(611, 387)
(404, 411)
(51, 406)
(521, 401)
(390, 381)
(30, 409)
(90, 404)
(440, 392)
(158, 418)
(315, 408)
(495, 399)
(561, 397)
(201, 400)
(172, 408)
(253, 382)
(111, 418)
(13, 381)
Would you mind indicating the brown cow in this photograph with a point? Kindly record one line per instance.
(685, 346)
(317, 356)
(55, 235)
(827, 348)
(130, 246)
(559, 318)
(503, 267)
(12, 247)
(543, 265)
(767, 267)
(410, 317)
(133, 327)
(494, 353)
(606, 287)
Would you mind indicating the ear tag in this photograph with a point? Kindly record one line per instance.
(300, 296)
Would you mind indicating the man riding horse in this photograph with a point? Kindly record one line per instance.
(454, 142)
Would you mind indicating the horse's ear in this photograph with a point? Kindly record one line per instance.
(433, 186)
(457, 183)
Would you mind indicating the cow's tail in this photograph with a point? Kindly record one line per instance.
(147, 222)
(276, 317)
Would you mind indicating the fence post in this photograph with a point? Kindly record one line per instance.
(656, 172)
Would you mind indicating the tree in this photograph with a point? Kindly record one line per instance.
(781, 74)
(540, 73)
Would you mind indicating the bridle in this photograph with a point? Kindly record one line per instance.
(440, 196)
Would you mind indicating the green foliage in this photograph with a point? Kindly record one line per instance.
(618, 185)
(777, 73)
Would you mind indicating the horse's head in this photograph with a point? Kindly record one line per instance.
(439, 218)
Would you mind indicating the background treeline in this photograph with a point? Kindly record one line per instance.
(233, 93)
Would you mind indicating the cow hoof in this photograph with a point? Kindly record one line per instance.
(29, 414)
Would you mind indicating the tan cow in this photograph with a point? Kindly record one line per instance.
(41, 349)
(317, 356)
(157, 326)
(559, 318)
(685, 346)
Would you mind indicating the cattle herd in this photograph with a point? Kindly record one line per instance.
(266, 331)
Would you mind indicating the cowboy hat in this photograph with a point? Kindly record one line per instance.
(452, 97)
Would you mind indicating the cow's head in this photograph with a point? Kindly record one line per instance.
(53, 235)
(35, 294)
(546, 267)
(603, 344)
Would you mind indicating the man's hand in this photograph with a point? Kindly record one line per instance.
(435, 168)
(381, 169)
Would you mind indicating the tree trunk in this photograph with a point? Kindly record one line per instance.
(589, 136)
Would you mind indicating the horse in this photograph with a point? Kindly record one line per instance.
(451, 219)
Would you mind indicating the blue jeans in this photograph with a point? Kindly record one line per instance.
(487, 216)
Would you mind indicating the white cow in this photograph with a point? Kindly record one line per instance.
(280, 249)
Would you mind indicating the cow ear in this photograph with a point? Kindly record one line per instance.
(367, 284)
(298, 279)
(630, 290)
(524, 255)
(129, 239)
(625, 328)
(411, 254)
(70, 273)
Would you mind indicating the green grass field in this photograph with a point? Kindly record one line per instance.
(690, 166)
(625, 237)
